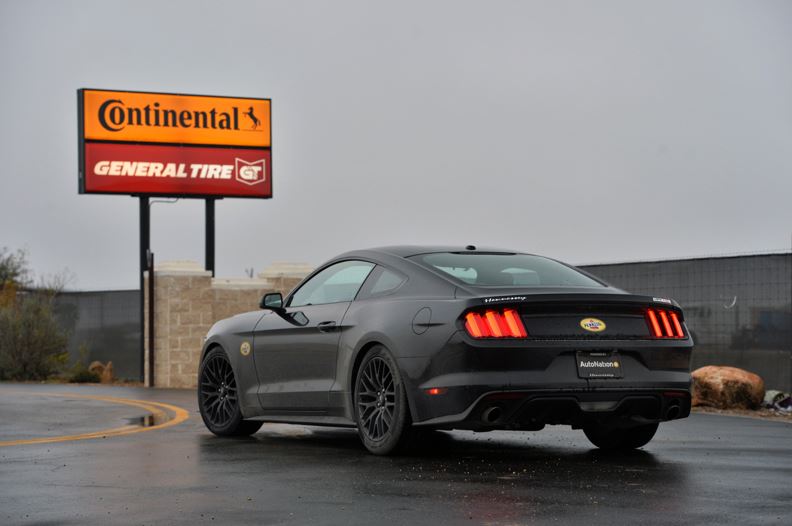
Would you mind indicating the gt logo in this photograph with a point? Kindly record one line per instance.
(244, 349)
(592, 324)
(250, 172)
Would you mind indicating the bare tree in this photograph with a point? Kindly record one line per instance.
(13, 268)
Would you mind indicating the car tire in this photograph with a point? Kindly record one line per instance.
(218, 397)
(617, 438)
(382, 413)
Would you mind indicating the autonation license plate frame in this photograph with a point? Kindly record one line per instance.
(597, 365)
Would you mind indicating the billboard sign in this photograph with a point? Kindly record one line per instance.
(174, 145)
(147, 169)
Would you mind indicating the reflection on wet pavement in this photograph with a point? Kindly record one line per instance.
(707, 469)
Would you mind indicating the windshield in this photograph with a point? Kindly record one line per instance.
(505, 270)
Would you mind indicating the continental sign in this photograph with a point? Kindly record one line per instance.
(164, 170)
(175, 119)
(174, 145)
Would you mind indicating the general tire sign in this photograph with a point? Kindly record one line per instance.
(174, 145)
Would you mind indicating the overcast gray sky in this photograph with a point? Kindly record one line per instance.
(587, 131)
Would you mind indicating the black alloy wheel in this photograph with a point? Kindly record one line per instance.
(381, 411)
(376, 399)
(218, 397)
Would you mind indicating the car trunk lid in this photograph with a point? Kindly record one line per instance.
(588, 316)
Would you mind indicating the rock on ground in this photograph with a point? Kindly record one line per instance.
(727, 388)
(105, 372)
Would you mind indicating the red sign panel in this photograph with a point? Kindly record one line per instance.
(177, 170)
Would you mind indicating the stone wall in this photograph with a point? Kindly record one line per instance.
(187, 304)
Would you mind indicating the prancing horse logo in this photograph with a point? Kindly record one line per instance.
(256, 121)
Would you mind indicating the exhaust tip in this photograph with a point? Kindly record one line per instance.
(672, 412)
(492, 414)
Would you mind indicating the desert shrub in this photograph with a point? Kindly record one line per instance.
(32, 345)
(79, 373)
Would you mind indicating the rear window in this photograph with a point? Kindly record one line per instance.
(505, 270)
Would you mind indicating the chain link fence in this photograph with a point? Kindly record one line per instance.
(107, 323)
(739, 309)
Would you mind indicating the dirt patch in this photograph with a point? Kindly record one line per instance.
(762, 414)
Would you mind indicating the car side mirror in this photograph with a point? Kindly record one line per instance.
(272, 301)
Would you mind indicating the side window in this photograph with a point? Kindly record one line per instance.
(381, 282)
(386, 282)
(337, 283)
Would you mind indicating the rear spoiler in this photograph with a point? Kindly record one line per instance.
(574, 298)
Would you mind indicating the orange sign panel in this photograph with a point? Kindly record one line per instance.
(130, 116)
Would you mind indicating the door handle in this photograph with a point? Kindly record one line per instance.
(326, 326)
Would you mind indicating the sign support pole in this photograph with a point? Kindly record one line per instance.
(151, 317)
(210, 235)
(145, 236)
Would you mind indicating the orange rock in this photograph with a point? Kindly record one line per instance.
(105, 372)
(727, 387)
(107, 375)
(96, 367)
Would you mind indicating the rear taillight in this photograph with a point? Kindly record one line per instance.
(664, 323)
(502, 323)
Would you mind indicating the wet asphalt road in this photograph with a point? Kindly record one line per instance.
(707, 469)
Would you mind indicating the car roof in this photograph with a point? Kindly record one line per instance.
(398, 255)
(413, 250)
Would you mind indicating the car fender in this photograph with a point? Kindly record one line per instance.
(231, 334)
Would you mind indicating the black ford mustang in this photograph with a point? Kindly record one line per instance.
(399, 340)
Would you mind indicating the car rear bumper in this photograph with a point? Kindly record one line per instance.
(469, 386)
(533, 409)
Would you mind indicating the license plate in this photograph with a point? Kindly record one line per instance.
(597, 364)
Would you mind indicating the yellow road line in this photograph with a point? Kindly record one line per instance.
(157, 409)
